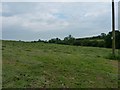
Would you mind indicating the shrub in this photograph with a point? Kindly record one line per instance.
(113, 57)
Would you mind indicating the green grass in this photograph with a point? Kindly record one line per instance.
(37, 65)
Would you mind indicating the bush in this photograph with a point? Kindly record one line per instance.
(113, 57)
(108, 40)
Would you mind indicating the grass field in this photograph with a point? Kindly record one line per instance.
(37, 65)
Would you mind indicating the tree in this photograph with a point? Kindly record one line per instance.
(108, 40)
(69, 40)
(55, 40)
(103, 35)
(39, 40)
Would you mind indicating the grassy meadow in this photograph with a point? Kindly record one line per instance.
(38, 65)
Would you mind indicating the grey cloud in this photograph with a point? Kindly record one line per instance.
(47, 20)
(119, 15)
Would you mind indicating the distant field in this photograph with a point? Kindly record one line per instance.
(37, 65)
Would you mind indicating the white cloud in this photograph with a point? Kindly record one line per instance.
(35, 22)
(97, 13)
(0, 8)
(56, 18)
(57, 0)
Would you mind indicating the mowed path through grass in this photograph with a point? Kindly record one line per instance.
(37, 65)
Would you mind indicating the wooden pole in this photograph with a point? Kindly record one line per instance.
(113, 29)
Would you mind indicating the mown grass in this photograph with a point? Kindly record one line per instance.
(38, 65)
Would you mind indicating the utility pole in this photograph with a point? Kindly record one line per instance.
(113, 29)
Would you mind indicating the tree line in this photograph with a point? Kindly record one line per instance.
(102, 40)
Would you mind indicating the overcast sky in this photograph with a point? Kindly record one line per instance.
(37, 20)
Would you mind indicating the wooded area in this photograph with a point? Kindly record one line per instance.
(103, 40)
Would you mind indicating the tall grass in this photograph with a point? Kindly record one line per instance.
(114, 57)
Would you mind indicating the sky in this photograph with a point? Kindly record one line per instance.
(45, 20)
(119, 15)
